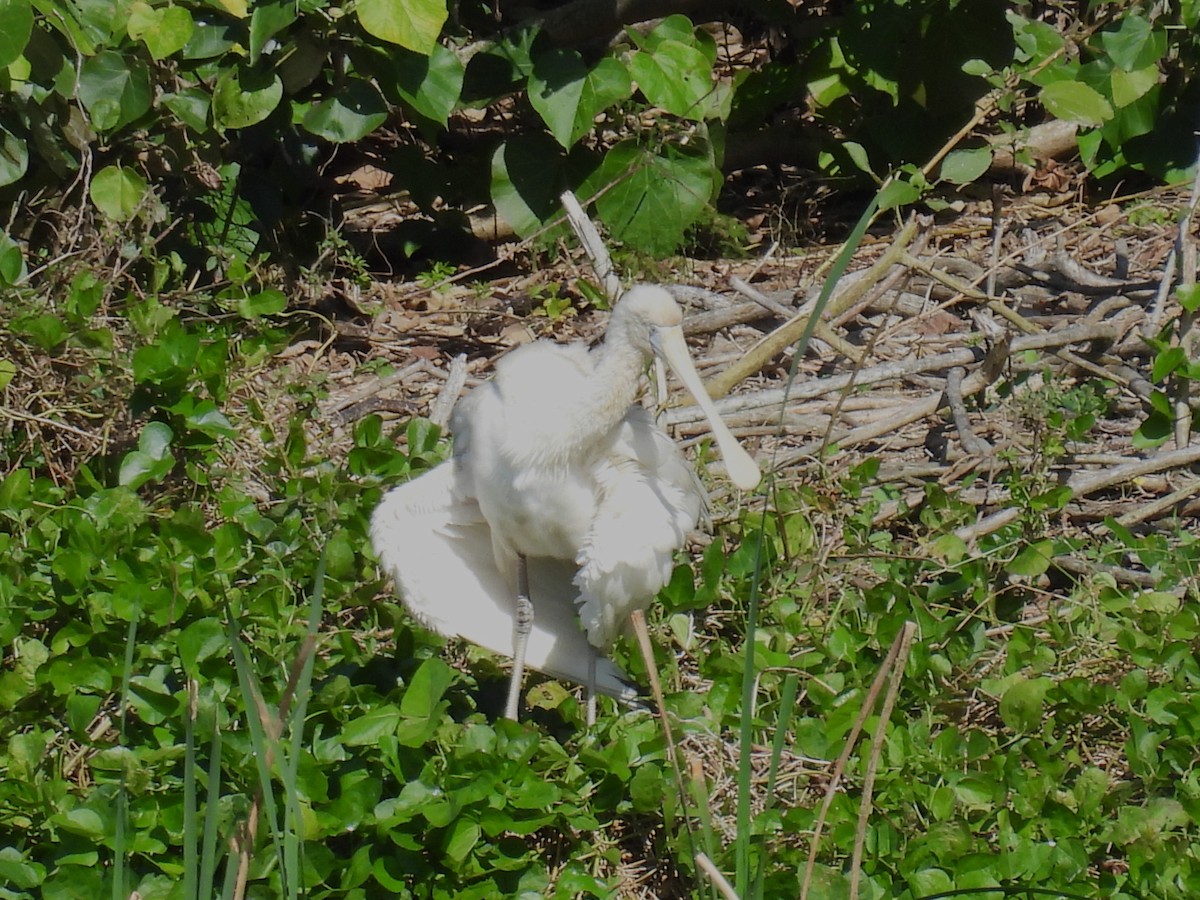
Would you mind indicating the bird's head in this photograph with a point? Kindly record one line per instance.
(643, 314)
(649, 318)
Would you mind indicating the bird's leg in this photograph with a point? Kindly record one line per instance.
(591, 692)
(522, 625)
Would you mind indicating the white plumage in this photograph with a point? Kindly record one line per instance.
(555, 468)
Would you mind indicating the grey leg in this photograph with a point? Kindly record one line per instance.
(521, 628)
(591, 692)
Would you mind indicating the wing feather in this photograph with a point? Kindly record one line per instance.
(434, 542)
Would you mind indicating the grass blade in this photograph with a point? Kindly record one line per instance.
(208, 854)
(191, 837)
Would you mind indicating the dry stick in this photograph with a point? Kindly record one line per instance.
(971, 442)
(593, 245)
(638, 619)
(456, 380)
(719, 881)
(973, 384)
(903, 642)
(790, 332)
(1157, 507)
(840, 765)
(1187, 340)
(1084, 483)
(820, 330)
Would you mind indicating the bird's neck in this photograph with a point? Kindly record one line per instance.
(614, 387)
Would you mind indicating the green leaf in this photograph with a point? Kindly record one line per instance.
(965, 166)
(201, 640)
(46, 331)
(14, 491)
(1188, 296)
(349, 115)
(568, 96)
(12, 260)
(370, 727)
(675, 77)
(898, 192)
(164, 30)
(652, 198)
(117, 192)
(268, 19)
(152, 461)
(413, 24)
(1033, 560)
(114, 89)
(1130, 86)
(245, 96)
(1167, 362)
(1074, 101)
(190, 106)
(460, 840)
(1021, 705)
(1135, 44)
(526, 182)
(425, 690)
(431, 84)
(265, 303)
(8, 371)
(16, 24)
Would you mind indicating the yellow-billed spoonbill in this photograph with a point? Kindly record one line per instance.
(563, 505)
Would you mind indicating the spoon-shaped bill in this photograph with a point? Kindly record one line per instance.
(668, 343)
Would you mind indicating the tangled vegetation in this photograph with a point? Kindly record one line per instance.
(205, 688)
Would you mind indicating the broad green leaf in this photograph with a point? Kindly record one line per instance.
(965, 166)
(1157, 601)
(114, 89)
(351, 114)
(460, 840)
(14, 157)
(425, 690)
(526, 181)
(370, 727)
(1188, 296)
(431, 84)
(191, 106)
(858, 155)
(7, 372)
(1167, 362)
(1135, 44)
(568, 96)
(201, 640)
(675, 77)
(1035, 40)
(12, 260)
(245, 96)
(152, 461)
(652, 198)
(413, 24)
(268, 19)
(1033, 560)
(19, 872)
(949, 548)
(1074, 101)
(264, 303)
(14, 491)
(82, 821)
(1021, 705)
(16, 24)
(898, 192)
(164, 30)
(1130, 86)
(117, 192)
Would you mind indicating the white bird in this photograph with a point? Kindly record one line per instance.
(562, 507)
